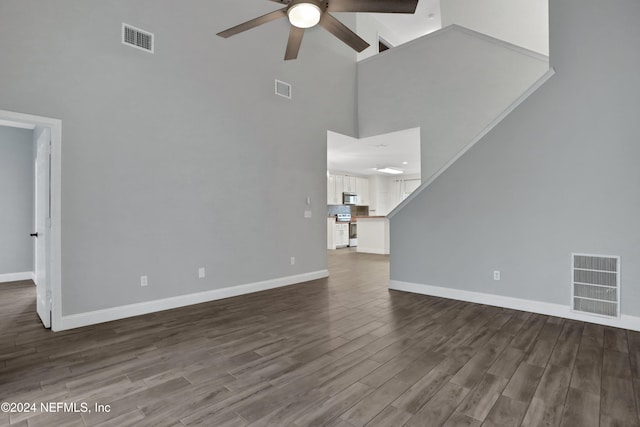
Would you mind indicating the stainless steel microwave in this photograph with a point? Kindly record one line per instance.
(349, 198)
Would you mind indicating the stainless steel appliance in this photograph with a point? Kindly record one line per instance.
(352, 228)
(349, 198)
(341, 217)
(353, 234)
(342, 230)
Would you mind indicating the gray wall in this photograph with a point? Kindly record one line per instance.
(16, 200)
(558, 175)
(181, 159)
(451, 84)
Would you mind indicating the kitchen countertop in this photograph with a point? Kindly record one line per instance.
(355, 218)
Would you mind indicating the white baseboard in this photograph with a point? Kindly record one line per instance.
(14, 277)
(549, 309)
(371, 250)
(130, 310)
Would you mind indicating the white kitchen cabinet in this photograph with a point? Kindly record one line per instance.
(362, 189)
(339, 188)
(331, 190)
(341, 237)
(338, 184)
(331, 233)
(349, 184)
(346, 187)
(337, 234)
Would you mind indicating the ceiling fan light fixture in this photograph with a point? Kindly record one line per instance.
(304, 15)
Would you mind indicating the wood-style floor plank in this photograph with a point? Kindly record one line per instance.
(440, 407)
(618, 406)
(505, 413)
(338, 352)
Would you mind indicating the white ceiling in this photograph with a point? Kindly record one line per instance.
(363, 156)
(523, 23)
(407, 27)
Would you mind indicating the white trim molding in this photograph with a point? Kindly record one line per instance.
(549, 309)
(377, 251)
(14, 277)
(130, 310)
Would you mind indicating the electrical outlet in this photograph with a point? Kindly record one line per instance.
(293, 260)
(144, 281)
(496, 275)
(201, 272)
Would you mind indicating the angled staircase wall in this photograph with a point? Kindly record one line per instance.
(451, 83)
(558, 175)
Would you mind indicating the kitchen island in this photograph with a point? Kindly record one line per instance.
(373, 234)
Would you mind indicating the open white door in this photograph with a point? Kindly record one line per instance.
(48, 178)
(43, 224)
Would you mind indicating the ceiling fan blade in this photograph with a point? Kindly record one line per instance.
(379, 6)
(295, 40)
(253, 23)
(341, 31)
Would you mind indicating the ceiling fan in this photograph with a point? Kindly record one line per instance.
(304, 14)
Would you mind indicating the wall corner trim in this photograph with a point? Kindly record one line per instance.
(137, 309)
(537, 84)
(14, 277)
(540, 307)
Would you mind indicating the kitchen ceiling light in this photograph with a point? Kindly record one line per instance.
(389, 170)
(304, 15)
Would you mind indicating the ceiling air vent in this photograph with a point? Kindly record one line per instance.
(135, 37)
(596, 284)
(283, 89)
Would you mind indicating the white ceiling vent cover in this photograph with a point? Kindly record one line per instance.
(283, 89)
(596, 284)
(135, 37)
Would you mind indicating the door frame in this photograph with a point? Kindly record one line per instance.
(54, 264)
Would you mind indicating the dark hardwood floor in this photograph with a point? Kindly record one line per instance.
(342, 352)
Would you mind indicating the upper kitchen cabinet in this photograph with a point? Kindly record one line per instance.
(349, 184)
(362, 190)
(331, 190)
(338, 184)
(339, 188)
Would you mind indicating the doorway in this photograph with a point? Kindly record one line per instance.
(378, 172)
(47, 234)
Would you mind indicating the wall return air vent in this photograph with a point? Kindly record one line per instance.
(283, 89)
(135, 37)
(596, 284)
